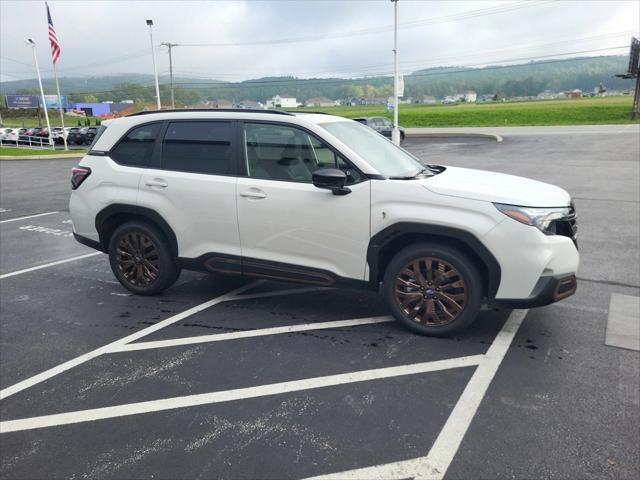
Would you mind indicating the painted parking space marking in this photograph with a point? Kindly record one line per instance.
(623, 322)
(219, 337)
(47, 265)
(235, 394)
(47, 230)
(63, 367)
(434, 465)
(18, 219)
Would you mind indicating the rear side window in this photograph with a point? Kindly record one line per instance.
(198, 147)
(136, 148)
(99, 133)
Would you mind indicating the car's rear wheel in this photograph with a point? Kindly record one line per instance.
(433, 289)
(141, 258)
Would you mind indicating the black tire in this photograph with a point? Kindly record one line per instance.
(402, 136)
(433, 317)
(155, 267)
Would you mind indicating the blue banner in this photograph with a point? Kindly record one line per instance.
(52, 101)
(23, 101)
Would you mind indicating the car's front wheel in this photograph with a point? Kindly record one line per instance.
(141, 258)
(432, 289)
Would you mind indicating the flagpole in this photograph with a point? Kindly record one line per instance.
(31, 42)
(64, 133)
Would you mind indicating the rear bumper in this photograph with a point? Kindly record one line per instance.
(548, 290)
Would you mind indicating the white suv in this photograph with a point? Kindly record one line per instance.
(320, 200)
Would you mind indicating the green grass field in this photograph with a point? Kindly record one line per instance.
(580, 111)
(23, 152)
(29, 122)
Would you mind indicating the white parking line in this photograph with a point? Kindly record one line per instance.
(52, 372)
(236, 394)
(219, 337)
(17, 219)
(47, 265)
(435, 464)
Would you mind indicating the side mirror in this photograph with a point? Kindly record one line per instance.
(332, 179)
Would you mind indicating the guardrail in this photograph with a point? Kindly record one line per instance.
(29, 141)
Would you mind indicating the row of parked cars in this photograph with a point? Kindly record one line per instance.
(39, 135)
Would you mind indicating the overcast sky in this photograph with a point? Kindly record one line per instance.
(306, 38)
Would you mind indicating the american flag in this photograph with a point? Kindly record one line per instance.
(55, 46)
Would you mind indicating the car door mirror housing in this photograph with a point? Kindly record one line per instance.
(332, 179)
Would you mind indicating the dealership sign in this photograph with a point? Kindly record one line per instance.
(52, 101)
(34, 101)
(22, 101)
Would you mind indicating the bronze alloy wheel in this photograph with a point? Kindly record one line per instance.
(138, 259)
(430, 291)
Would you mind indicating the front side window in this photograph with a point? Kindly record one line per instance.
(136, 148)
(279, 152)
(198, 147)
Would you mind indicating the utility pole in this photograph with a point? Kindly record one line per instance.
(395, 133)
(636, 99)
(32, 43)
(155, 67)
(170, 46)
(633, 71)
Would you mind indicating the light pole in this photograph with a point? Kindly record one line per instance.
(155, 68)
(170, 46)
(32, 43)
(395, 133)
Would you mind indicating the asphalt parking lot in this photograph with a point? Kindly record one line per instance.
(224, 378)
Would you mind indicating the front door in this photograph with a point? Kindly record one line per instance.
(289, 229)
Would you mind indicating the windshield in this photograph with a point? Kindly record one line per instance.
(380, 153)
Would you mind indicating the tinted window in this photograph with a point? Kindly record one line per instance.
(277, 152)
(136, 148)
(199, 147)
(99, 133)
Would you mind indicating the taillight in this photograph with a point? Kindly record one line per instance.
(79, 175)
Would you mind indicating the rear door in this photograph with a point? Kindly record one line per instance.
(290, 229)
(192, 185)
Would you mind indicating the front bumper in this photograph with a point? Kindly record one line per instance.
(548, 290)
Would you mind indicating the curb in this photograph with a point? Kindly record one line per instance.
(493, 136)
(42, 157)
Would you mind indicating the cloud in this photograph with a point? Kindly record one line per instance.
(102, 38)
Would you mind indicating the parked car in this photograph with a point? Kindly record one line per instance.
(29, 137)
(89, 134)
(9, 135)
(57, 135)
(75, 137)
(381, 125)
(320, 200)
(41, 132)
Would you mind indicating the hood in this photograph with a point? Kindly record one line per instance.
(496, 187)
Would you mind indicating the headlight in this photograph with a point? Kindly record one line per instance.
(544, 219)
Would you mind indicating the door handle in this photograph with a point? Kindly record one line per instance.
(156, 182)
(253, 193)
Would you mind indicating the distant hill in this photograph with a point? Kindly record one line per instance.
(528, 79)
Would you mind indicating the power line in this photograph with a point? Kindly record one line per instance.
(383, 28)
(367, 69)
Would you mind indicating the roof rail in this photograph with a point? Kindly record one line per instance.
(307, 111)
(213, 110)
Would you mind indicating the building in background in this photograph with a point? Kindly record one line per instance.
(282, 101)
(321, 102)
(91, 109)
